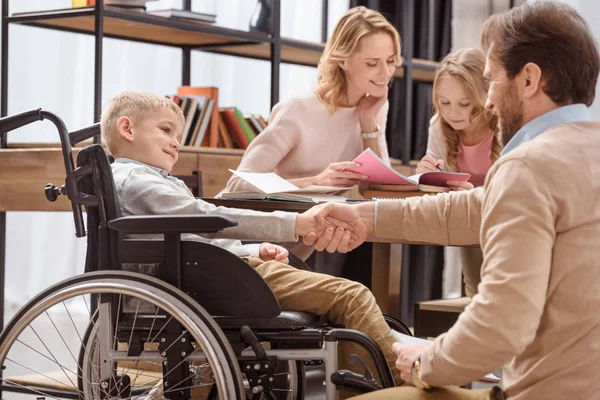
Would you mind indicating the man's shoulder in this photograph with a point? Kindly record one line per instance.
(561, 142)
(556, 154)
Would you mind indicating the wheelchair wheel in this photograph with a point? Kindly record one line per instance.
(145, 339)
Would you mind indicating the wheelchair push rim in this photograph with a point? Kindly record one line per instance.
(210, 343)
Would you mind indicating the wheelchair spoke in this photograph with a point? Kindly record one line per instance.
(37, 373)
(112, 346)
(53, 357)
(8, 382)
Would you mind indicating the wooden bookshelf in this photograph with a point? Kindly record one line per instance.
(147, 28)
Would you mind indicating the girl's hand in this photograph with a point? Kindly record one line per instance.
(459, 185)
(428, 163)
(334, 175)
(270, 252)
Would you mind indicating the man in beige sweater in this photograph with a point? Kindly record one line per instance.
(537, 313)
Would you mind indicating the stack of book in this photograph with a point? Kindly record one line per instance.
(208, 125)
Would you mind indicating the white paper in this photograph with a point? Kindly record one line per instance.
(266, 182)
(407, 339)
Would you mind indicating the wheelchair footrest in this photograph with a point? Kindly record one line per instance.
(353, 382)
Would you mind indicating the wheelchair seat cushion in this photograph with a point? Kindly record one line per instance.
(285, 320)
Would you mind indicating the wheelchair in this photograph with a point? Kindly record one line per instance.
(154, 316)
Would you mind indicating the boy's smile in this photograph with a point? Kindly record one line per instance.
(156, 138)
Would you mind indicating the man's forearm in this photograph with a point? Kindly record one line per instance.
(446, 219)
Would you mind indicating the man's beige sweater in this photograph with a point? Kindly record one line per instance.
(538, 308)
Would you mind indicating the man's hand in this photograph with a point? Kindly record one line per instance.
(406, 355)
(270, 252)
(358, 219)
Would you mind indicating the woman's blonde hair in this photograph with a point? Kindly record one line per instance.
(466, 65)
(357, 23)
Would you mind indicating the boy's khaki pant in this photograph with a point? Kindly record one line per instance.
(450, 393)
(340, 300)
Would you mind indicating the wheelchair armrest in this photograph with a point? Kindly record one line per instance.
(171, 223)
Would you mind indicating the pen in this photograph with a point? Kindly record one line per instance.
(440, 168)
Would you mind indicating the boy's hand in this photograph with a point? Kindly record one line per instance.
(270, 252)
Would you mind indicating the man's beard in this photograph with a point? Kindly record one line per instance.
(510, 114)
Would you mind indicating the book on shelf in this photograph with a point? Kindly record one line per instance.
(234, 128)
(378, 171)
(254, 124)
(248, 132)
(185, 15)
(211, 134)
(133, 4)
(270, 186)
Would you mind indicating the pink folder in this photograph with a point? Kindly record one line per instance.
(379, 172)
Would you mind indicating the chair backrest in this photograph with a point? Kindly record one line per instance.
(220, 281)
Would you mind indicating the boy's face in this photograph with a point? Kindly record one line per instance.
(157, 138)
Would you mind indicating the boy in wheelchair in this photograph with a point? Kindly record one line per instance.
(143, 132)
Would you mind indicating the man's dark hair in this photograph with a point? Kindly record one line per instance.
(553, 36)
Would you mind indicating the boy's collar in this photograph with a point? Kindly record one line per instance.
(124, 160)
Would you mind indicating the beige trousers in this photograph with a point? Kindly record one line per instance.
(340, 300)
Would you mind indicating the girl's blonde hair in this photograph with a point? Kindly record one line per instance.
(466, 65)
(353, 26)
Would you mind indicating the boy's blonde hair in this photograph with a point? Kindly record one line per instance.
(357, 23)
(466, 65)
(135, 106)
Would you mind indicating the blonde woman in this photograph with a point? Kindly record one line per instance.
(313, 136)
(463, 136)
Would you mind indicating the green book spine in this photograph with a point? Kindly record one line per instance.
(245, 127)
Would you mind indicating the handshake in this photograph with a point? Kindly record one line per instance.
(336, 226)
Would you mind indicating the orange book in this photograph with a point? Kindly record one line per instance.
(225, 138)
(212, 138)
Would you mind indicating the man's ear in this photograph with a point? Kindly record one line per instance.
(124, 128)
(532, 78)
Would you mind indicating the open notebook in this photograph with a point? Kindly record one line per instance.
(406, 339)
(270, 186)
(378, 171)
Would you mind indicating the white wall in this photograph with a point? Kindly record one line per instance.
(55, 70)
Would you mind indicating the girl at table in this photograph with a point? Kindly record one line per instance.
(313, 136)
(463, 136)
